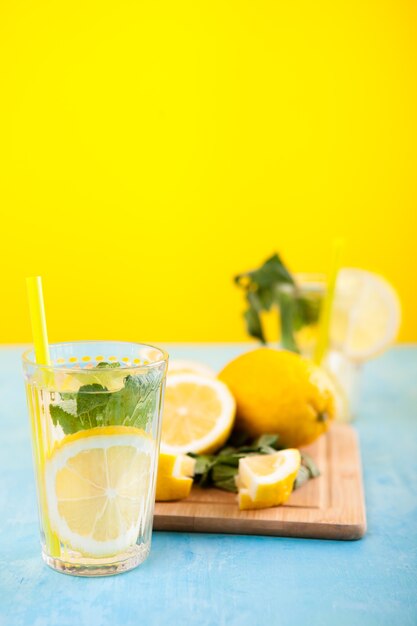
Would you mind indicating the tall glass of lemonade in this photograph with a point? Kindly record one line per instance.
(95, 416)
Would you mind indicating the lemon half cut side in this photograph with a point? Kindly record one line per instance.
(183, 366)
(198, 416)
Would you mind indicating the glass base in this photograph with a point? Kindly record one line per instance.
(87, 567)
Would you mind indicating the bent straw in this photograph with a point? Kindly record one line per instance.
(42, 357)
(323, 339)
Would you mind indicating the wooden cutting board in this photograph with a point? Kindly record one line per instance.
(328, 507)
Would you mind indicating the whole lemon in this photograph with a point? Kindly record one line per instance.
(280, 392)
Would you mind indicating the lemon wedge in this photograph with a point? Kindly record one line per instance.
(97, 487)
(175, 472)
(198, 416)
(267, 480)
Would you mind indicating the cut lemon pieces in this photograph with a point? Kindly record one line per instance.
(267, 479)
(180, 366)
(175, 473)
(198, 414)
(97, 487)
(366, 314)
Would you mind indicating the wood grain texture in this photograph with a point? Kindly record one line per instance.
(328, 507)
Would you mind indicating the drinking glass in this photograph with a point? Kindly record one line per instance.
(95, 416)
(311, 289)
(299, 313)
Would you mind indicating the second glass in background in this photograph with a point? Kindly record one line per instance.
(297, 321)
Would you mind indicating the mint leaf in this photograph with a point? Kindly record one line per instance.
(219, 470)
(122, 404)
(302, 477)
(90, 397)
(203, 462)
(308, 309)
(105, 365)
(69, 423)
(253, 318)
(267, 440)
(269, 285)
(223, 477)
(203, 466)
(94, 405)
(91, 403)
(287, 304)
(311, 466)
(273, 271)
(223, 472)
(135, 404)
(226, 485)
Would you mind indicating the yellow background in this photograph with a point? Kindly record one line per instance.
(151, 150)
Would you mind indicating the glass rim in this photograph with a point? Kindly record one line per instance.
(30, 352)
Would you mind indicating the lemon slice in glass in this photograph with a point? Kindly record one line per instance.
(97, 487)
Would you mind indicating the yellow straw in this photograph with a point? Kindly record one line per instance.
(38, 321)
(326, 312)
(42, 357)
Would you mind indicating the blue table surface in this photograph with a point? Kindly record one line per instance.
(220, 580)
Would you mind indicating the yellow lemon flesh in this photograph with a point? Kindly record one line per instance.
(198, 416)
(267, 480)
(366, 314)
(97, 486)
(180, 366)
(280, 392)
(175, 472)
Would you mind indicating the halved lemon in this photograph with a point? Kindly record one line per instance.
(366, 314)
(181, 366)
(266, 480)
(175, 472)
(97, 487)
(199, 414)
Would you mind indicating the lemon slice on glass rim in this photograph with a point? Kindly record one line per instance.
(366, 314)
(97, 487)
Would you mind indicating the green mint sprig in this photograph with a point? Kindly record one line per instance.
(220, 470)
(94, 405)
(273, 285)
